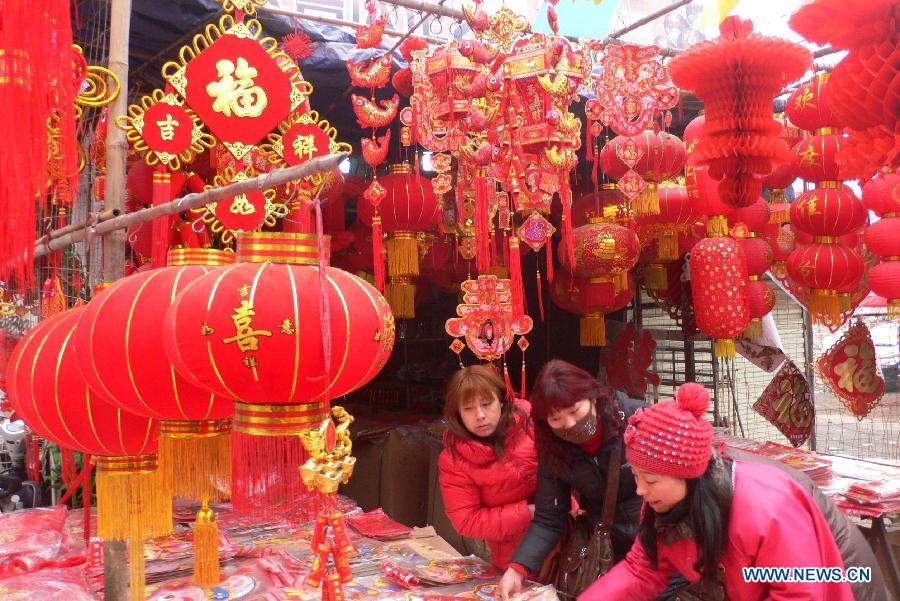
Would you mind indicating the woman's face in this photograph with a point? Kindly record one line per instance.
(660, 492)
(481, 414)
(561, 419)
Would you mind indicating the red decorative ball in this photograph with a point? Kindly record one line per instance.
(881, 194)
(719, 287)
(828, 212)
(760, 299)
(758, 253)
(604, 250)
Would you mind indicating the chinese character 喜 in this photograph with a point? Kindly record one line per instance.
(246, 337)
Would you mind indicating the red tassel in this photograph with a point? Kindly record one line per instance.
(161, 225)
(378, 252)
(33, 457)
(482, 224)
(505, 246)
(550, 274)
(522, 379)
(540, 293)
(565, 195)
(88, 493)
(493, 239)
(510, 391)
(265, 478)
(515, 275)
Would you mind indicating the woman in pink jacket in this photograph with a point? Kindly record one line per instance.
(708, 517)
(488, 468)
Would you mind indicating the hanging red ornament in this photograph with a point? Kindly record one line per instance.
(741, 146)
(719, 289)
(850, 369)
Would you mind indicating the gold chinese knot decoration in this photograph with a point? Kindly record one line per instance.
(245, 212)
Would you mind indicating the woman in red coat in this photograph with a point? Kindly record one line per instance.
(488, 468)
(709, 517)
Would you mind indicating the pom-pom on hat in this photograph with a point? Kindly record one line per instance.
(672, 438)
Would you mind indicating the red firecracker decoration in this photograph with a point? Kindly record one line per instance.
(282, 333)
(740, 142)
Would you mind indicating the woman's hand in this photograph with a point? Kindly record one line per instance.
(509, 585)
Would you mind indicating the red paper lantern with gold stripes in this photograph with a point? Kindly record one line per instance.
(282, 338)
(118, 342)
(809, 107)
(604, 253)
(578, 295)
(47, 391)
(883, 239)
(826, 269)
(828, 211)
(661, 157)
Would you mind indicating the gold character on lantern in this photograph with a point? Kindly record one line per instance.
(287, 326)
(242, 206)
(305, 146)
(235, 91)
(205, 330)
(813, 206)
(251, 362)
(803, 99)
(167, 127)
(244, 290)
(246, 337)
(808, 156)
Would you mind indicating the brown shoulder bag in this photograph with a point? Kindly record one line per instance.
(586, 553)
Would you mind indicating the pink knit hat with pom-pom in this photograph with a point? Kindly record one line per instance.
(672, 438)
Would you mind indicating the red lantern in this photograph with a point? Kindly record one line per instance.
(760, 301)
(754, 216)
(883, 239)
(719, 290)
(676, 215)
(702, 189)
(48, 393)
(588, 206)
(881, 194)
(825, 269)
(409, 207)
(254, 332)
(656, 156)
(604, 253)
(782, 241)
(809, 107)
(828, 211)
(814, 159)
(572, 293)
(117, 343)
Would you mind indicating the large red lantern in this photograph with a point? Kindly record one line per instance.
(670, 228)
(719, 290)
(829, 210)
(575, 295)
(49, 394)
(809, 107)
(825, 268)
(814, 159)
(118, 342)
(590, 205)
(281, 336)
(881, 194)
(883, 239)
(409, 208)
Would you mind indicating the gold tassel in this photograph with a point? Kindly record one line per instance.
(137, 569)
(754, 329)
(402, 254)
(131, 500)
(206, 548)
(620, 282)
(724, 348)
(195, 459)
(593, 330)
(656, 277)
(893, 308)
(401, 296)
(667, 245)
(716, 226)
(844, 301)
(498, 270)
(824, 307)
(647, 202)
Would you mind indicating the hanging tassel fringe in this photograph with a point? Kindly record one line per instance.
(195, 459)
(540, 293)
(510, 391)
(824, 307)
(378, 252)
(844, 301)
(162, 226)
(724, 348)
(131, 501)
(656, 277)
(266, 454)
(482, 223)
(402, 255)
(647, 202)
(592, 328)
(568, 240)
(137, 569)
(206, 548)
(893, 308)
(522, 379)
(620, 282)
(754, 329)
(401, 296)
(667, 245)
(716, 226)
(515, 275)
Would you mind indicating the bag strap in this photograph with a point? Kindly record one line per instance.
(612, 485)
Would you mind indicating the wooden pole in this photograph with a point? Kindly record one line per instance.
(115, 554)
(112, 226)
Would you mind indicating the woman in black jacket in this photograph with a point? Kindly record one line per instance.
(578, 422)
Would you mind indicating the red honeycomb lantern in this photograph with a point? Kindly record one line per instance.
(282, 338)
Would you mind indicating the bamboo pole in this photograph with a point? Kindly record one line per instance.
(101, 216)
(274, 178)
(115, 553)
